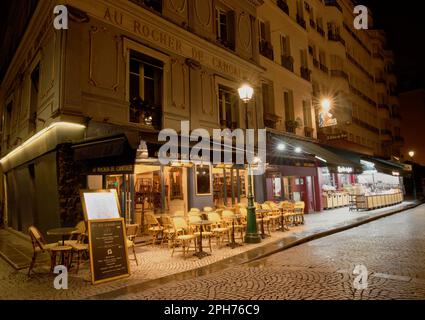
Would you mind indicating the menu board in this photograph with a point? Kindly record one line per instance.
(108, 250)
(100, 204)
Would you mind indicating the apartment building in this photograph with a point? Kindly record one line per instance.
(79, 105)
(312, 52)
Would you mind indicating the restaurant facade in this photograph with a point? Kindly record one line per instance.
(83, 107)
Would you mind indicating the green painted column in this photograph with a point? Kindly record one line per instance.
(252, 235)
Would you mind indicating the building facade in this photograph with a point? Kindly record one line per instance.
(75, 101)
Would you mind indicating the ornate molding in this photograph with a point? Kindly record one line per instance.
(93, 31)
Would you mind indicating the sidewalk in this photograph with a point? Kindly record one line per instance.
(156, 266)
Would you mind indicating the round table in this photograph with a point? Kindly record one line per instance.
(262, 212)
(201, 253)
(233, 244)
(62, 232)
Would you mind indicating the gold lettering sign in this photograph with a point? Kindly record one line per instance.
(172, 43)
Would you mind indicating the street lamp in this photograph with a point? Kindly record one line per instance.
(245, 93)
(326, 104)
(411, 155)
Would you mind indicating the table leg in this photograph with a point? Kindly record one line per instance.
(201, 253)
(233, 243)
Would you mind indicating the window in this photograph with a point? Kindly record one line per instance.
(307, 114)
(228, 105)
(303, 57)
(289, 111)
(151, 4)
(8, 123)
(225, 27)
(285, 46)
(146, 81)
(35, 86)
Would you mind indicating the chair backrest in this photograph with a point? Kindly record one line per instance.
(226, 214)
(214, 217)
(131, 230)
(299, 206)
(151, 220)
(194, 218)
(81, 227)
(36, 238)
(208, 209)
(195, 210)
(244, 212)
(178, 214)
(265, 206)
(179, 223)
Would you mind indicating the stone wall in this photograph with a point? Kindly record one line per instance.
(68, 187)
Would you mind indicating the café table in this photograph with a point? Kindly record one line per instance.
(63, 232)
(233, 244)
(262, 212)
(201, 253)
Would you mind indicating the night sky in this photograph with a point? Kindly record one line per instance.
(404, 22)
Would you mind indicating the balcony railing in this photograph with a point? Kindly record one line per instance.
(339, 74)
(320, 31)
(288, 63)
(336, 37)
(266, 49)
(333, 3)
(283, 6)
(384, 106)
(155, 5)
(146, 113)
(306, 73)
(324, 68)
(380, 79)
(301, 21)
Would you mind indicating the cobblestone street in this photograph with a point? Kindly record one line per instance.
(392, 249)
(283, 275)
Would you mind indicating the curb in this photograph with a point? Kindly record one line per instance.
(326, 233)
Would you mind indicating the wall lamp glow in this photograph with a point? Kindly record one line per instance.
(298, 150)
(281, 147)
(69, 125)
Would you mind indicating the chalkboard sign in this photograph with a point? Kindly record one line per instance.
(100, 204)
(108, 250)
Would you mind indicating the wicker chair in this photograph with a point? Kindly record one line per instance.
(218, 227)
(299, 212)
(39, 245)
(80, 248)
(153, 226)
(182, 236)
(228, 217)
(131, 231)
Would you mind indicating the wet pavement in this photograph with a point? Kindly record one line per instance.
(157, 267)
(391, 250)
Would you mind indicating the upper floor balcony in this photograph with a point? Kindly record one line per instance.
(283, 6)
(266, 49)
(336, 37)
(333, 3)
(288, 62)
(305, 73)
(301, 21)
